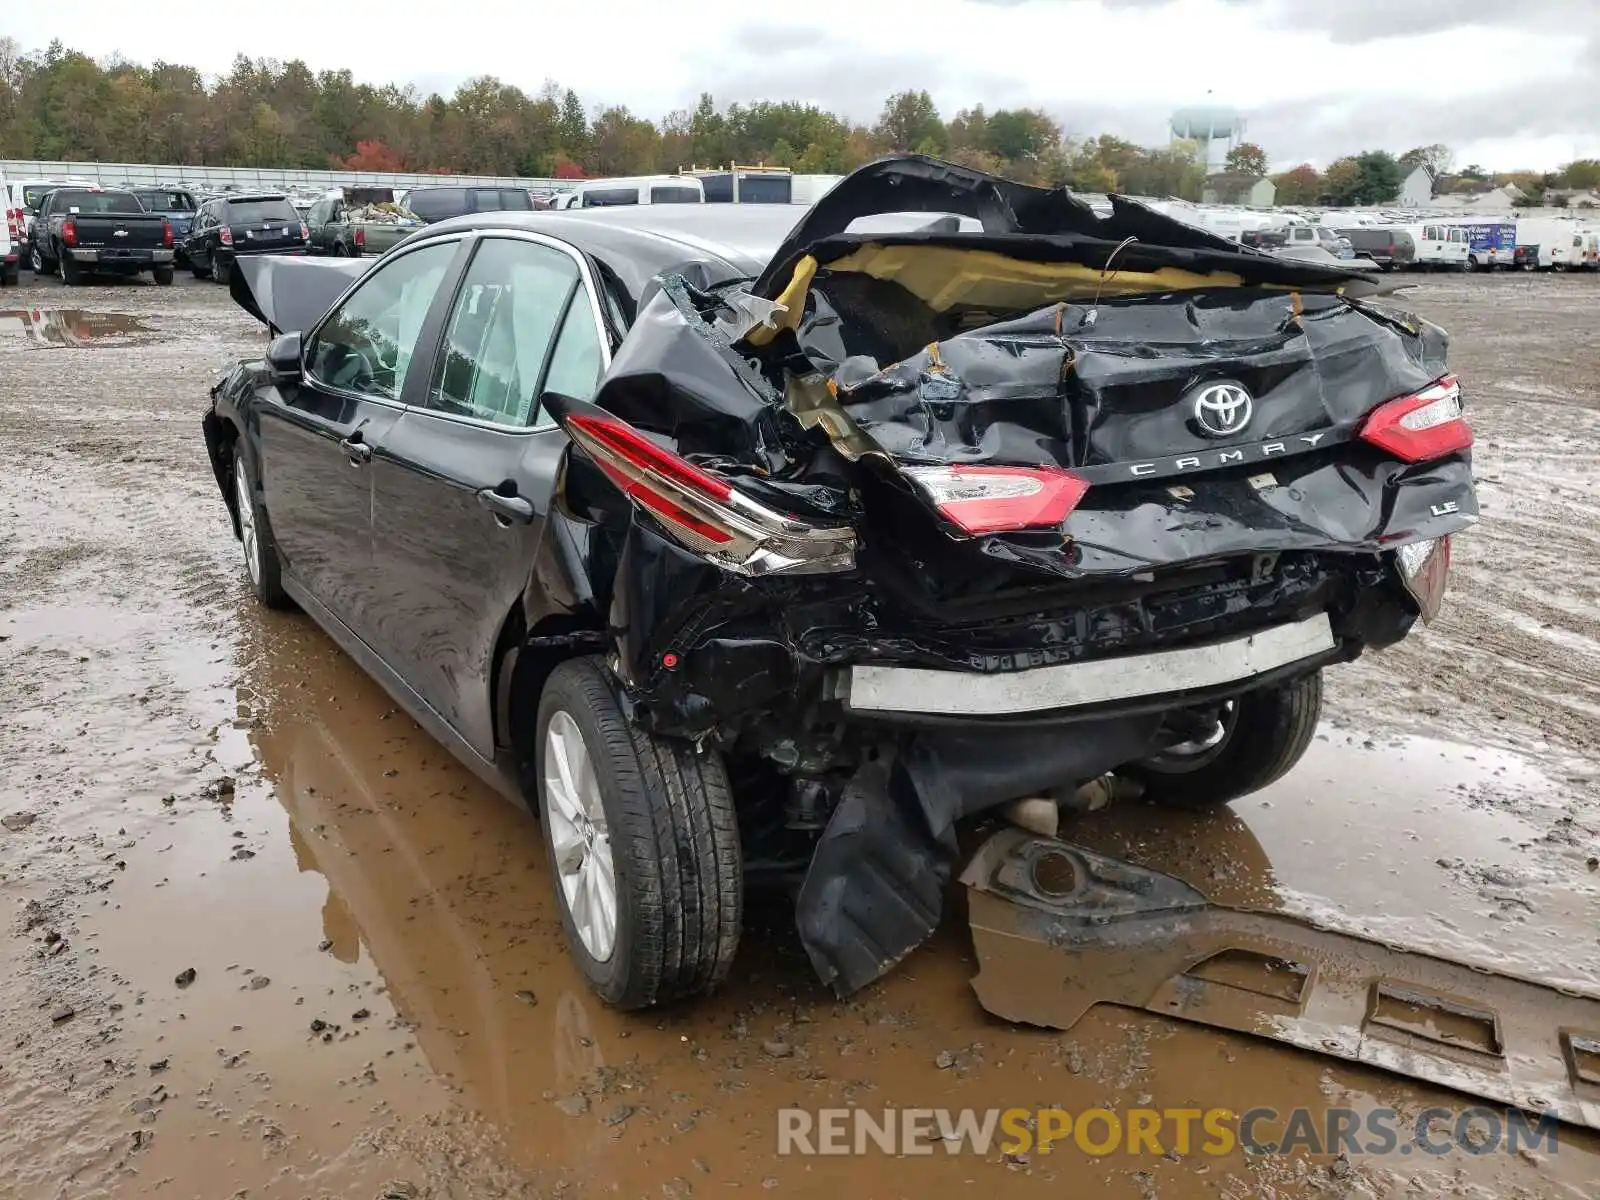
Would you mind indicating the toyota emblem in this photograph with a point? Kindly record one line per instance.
(1223, 409)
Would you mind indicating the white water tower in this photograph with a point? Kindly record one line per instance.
(1216, 127)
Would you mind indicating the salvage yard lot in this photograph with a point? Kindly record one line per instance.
(380, 1001)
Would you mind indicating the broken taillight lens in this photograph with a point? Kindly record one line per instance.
(1425, 570)
(225, 236)
(983, 499)
(706, 513)
(1422, 426)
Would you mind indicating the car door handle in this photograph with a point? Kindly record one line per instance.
(356, 449)
(506, 509)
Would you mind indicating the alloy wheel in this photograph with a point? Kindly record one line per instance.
(580, 836)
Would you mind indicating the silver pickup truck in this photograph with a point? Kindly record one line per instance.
(356, 221)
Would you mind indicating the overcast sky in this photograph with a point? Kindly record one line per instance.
(1506, 83)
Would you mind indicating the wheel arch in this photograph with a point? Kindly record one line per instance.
(524, 657)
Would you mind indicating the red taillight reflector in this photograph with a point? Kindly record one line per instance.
(983, 499)
(69, 233)
(672, 513)
(166, 233)
(644, 454)
(1423, 426)
(361, 238)
(705, 513)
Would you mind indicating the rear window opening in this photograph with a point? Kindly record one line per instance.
(98, 202)
(246, 211)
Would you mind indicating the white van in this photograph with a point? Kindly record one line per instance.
(1440, 247)
(1560, 241)
(641, 189)
(26, 194)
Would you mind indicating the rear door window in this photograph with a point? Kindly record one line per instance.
(435, 204)
(610, 197)
(674, 195)
(499, 336)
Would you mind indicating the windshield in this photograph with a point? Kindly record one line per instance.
(71, 199)
(1327, 235)
(162, 201)
(246, 211)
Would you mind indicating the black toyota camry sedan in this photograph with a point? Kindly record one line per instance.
(744, 552)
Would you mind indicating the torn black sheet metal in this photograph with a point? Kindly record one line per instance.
(1021, 216)
(875, 887)
(289, 294)
(1058, 929)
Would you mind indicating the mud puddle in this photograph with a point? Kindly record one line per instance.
(381, 1003)
(76, 328)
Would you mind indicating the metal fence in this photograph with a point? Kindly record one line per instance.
(263, 178)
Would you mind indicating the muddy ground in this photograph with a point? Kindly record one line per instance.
(263, 938)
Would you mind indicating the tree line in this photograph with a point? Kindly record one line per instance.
(59, 104)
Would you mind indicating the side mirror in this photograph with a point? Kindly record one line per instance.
(283, 358)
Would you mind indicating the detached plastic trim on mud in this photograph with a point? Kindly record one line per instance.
(1114, 932)
(1075, 685)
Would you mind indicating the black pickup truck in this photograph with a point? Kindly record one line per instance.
(80, 230)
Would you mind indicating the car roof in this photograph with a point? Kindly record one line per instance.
(638, 242)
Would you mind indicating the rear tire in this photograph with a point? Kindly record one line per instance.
(162, 276)
(221, 269)
(1267, 733)
(651, 816)
(9, 274)
(71, 272)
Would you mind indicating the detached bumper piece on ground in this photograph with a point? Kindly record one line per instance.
(856, 539)
(1113, 932)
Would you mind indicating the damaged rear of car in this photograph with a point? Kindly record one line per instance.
(914, 524)
(951, 519)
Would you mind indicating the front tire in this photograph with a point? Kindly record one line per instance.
(261, 563)
(1263, 735)
(643, 845)
(39, 264)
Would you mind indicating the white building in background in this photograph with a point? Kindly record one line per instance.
(1417, 190)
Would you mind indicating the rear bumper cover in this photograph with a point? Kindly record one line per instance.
(109, 257)
(874, 690)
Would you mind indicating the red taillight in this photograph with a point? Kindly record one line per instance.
(1423, 426)
(69, 233)
(706, 513)
(225, 236)
(361, 239)
(166, 234)
(14, 224)
(982, 499)
(305, 232)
